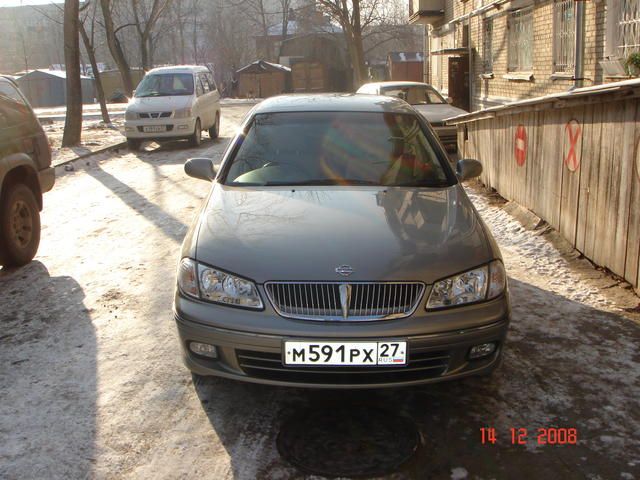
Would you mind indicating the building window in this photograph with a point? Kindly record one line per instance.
(487, 45)
(520, 27)
(629, 23)
(564, 36)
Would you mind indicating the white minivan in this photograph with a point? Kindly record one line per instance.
(173, 103)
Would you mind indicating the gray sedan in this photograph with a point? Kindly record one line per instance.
(426, 100)
(337, 248)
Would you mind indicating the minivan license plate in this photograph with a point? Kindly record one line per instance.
(345, 353)
(154, 129)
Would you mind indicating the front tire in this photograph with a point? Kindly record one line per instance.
(196, 138)
(19, 226)
(215, 130)
(134, 144)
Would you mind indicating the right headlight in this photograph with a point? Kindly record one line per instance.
(482, 283)
(207, 283)
(130, 114)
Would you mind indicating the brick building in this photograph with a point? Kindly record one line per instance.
(484, 53)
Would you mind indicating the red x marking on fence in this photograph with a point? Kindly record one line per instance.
(573, 130)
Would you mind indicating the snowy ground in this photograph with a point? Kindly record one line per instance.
(95, 136)
(91, 383)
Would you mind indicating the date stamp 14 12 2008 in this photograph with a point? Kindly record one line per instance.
(541, 436)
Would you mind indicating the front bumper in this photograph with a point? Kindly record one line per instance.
(257, 357)
(172, 128)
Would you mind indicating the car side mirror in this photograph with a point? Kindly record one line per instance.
(449, 100)
(202, 168)
(468, 168)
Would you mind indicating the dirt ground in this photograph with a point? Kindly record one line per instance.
(92, 385)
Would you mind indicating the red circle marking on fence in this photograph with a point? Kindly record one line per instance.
(521, 145)
(573, 153)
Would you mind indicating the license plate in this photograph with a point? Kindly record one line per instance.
(345, 353)
(154, 129)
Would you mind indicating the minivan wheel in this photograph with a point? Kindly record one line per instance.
(19, 226)
(196, 138)
(215, 130)
(134, 144)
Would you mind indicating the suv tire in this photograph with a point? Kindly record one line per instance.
(19, 225)
(196, 138)
(214, 131)
(134, 144)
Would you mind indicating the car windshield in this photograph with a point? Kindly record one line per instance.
(337, 148)
(165, 84)
(415, 94)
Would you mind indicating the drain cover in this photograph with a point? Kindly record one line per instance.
(347, 441)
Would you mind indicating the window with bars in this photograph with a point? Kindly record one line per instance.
(629, 23)
(564, 36)
(520, 37)
(487, 45)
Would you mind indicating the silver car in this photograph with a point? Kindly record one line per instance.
(337, 248)
(426, 100)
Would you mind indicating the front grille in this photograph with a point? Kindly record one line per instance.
(339, 301)
(421, 364)
(155, 115)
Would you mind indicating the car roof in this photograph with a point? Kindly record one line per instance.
(179, 69)
(333, 102)
(397, 83)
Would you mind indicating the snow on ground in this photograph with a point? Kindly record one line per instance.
(95, 136)
(92, 386)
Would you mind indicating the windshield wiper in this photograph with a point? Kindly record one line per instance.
(421, 185)
(325, 181)
(151, 94)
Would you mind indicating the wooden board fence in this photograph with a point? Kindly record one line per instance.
(577, 166)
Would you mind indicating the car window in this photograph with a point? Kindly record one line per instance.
(13, 108)
(199, 89)
(212, 82)
(165, 84)
(205, 82)
(415, 95)
(335, 148)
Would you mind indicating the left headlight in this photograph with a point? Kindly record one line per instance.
(182, 113)
(208, 283)
(483, 283)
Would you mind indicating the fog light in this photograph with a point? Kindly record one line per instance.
(183, 127)
(482, 350)
(204, 349)
(129, 129)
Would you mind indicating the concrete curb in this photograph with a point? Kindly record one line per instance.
(108, 148)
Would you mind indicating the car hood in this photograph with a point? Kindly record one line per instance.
(438, 113)
(304, 234)
(159, 104)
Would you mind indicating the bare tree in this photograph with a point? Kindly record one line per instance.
(73, 121)
(259, 15)
(349, 15)
(230, 35)
(89, 41)
(145, 21)
(115, 47)
(358, 19)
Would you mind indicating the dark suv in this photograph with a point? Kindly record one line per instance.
(25, 174)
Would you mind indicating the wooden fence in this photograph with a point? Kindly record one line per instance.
(574, 160)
